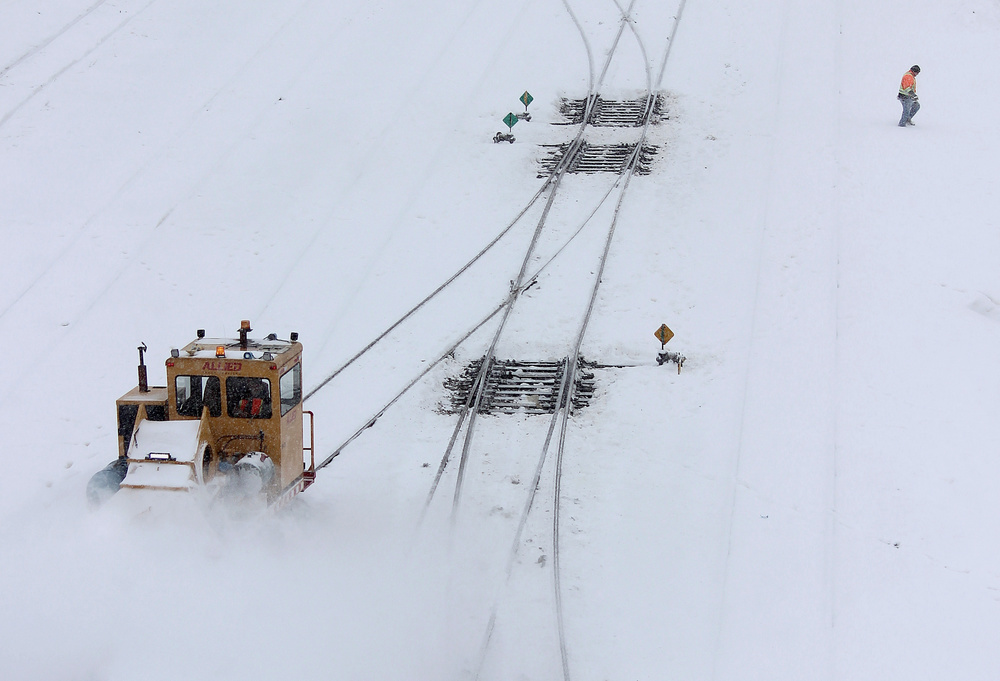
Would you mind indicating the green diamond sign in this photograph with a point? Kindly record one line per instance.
(510, 119)
(526, 99)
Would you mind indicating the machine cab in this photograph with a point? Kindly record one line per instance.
(231, 410)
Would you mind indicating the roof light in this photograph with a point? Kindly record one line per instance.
(267, 357)
(201, 333)
(295, 336)
(244, 330)
(220, 350)
(174, 352)
(247, 355)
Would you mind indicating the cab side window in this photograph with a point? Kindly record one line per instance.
(248, 398)
(195, 392)
(290, 386)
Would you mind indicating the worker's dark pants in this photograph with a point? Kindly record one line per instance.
(910, 108)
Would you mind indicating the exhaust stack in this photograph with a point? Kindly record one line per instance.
(143, 382)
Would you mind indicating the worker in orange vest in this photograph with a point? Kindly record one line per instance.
(908, 96)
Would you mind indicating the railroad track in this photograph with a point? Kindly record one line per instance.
(603, 113)
(572, 365)
(565, 392)
(599, 158)
(548, 388)
(518, 387)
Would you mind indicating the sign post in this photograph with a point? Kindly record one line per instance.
(664, 334)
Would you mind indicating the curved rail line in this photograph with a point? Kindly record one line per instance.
(564, 395)
(561, 415)
(528, 282)
(573, 364)
(560, 418)
(473, 408)
(551, 182)
(567, 387)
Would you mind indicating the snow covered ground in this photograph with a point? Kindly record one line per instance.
(812, 498)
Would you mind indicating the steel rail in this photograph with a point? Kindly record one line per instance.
(556, 178)
(484, 368)
(550, 180)
(529, 281)
(560, 418)
(463, 413)
(523, 520)
(475, 398)
(569, 374)
(392, 327)
(574, 359)
(371, 421)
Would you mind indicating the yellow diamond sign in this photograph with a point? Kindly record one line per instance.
(663, 334)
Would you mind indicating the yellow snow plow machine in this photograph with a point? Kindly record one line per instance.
(228, 424)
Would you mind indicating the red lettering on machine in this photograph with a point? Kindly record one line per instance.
(222, 366)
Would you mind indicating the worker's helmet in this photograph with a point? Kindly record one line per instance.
(915, 68)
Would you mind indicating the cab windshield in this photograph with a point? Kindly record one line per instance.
(248, 398)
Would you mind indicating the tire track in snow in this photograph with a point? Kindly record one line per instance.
(50, 39)
(147, 241)
(75, 240)
(832, 524)
(750, 467)
(54, 77)
(761, 222)
(193, 120)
